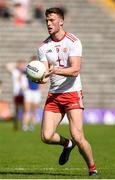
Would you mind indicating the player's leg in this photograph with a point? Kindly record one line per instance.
(50, 123)
(28, 97)
(75, 117)
(15, 119)
(19, 105)
(53, 114)
(34, 108)
(35, 101)
(26, 116)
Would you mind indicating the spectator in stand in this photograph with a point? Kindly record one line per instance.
(4, 9)
(39, 12)
(21, 11)
(19, 80)
(63, 8)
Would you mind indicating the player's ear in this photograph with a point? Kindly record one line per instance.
(61, 22)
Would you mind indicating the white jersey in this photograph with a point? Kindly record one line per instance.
(58, 53)
(19, 82)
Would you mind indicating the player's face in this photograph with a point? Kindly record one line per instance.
(54, 23)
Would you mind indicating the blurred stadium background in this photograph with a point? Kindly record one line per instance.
(93, 21)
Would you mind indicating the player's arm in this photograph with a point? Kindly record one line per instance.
(73, 70)
(10, 66)
(75, 57)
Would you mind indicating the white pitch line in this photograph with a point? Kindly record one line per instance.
(63, 169)
(49, 169)
(19, 169)
(44, 168)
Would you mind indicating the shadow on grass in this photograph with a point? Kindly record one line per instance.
(40, 173)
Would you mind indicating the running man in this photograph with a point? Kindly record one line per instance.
(61, 52)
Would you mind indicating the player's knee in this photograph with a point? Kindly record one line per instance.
(46, 138)
(79, 139)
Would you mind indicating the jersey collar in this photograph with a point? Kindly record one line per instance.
(60, 39)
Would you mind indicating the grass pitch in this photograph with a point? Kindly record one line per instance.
(24, 156)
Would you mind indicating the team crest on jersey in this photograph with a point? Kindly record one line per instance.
(65, 50)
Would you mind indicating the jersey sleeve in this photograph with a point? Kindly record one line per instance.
(15, 72)
(41, 55)
(76, 48)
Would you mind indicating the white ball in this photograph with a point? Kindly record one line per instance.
(35, 70)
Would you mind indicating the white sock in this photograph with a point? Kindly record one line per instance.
(25, 128)
(70, 143)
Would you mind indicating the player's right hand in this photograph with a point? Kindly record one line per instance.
(50, 71)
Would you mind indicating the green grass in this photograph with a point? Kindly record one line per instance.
(24, 156)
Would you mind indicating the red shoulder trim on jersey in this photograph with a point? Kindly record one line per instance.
(71, 37)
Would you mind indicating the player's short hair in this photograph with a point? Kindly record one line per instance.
(55, 10)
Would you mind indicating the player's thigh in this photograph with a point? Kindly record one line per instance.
(75, 117)
(28, 99)
(36, 96)
(27, 106)
(50, 122)
(34, 107)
